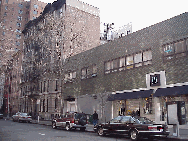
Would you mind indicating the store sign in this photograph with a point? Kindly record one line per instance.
(155, 80)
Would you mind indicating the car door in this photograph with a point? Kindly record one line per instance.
(113, 125)
(125, 125)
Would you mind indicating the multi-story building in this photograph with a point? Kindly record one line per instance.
(140, 71)
(14, 15)
(64, 29)
(2, 82)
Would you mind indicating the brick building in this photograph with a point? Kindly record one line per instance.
(131, 73)
(14, 15)
(64, 29)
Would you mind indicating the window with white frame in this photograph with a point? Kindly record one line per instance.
(70, 76)
(19, 18)
(175, 50)
(35, 12)
(18, 24)
(89, 72)
(122, 63)
(19, 31)
(35, 6)
(20, 5)
(128, 62)
(18, 36)
(147, 57)
(20, 11)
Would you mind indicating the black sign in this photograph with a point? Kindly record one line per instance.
(155, 80)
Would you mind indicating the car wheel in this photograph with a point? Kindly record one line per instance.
(54, 125)
(134, 135)
(67, 127)
(82, 129)
(101, 132)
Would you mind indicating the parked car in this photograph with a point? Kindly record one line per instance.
(134, 127)
(25, 117)
(1, 116)
(16, 117)
(71, 120)
(22, 117)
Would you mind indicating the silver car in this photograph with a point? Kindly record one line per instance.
(25, 117)
(16, 116)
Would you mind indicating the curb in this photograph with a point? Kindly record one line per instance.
(170, 138)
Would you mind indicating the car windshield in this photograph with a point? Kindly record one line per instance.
(143, 120)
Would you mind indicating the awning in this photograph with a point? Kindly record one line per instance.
(130, 95)
(171, 91)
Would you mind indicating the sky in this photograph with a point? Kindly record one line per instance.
(141, 13)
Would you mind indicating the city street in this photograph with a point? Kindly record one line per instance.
(14, 131)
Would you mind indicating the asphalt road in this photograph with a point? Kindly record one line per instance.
(14, 131)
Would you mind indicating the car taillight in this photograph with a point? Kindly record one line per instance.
(72, 121)
(152, 128)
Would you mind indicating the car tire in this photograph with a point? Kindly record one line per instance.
(82, 129)
(100, 131)
(133, 135)
(67, 127)
(54, 125)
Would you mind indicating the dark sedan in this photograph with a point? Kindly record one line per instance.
(135, 127)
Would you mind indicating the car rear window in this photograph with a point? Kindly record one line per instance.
(78, 116)
(24, 114)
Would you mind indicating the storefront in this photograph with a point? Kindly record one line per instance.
(168, 94)
(135, 102)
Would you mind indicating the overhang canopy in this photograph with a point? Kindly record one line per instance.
(130, 95)
(171, 91)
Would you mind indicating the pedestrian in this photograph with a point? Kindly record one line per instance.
(133, 113)
(95, 118)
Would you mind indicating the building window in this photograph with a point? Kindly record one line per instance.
(147, 57)
(70, 76)
(108, 67)
(20, 5)
(89, 72)
(138, 59)
(56, 101)
(47, 105)
(175, 50)
(6, 1)
(20, 11)
(35, 6)
(19, 18)
(56, 85)
(43, 105)
(19, 31)
(40, 105)
(44, 89)
(35, 12)
(18, 36)
(128, 62)
(17, 43)
(18, 24)
(41, 87)
(5, 14)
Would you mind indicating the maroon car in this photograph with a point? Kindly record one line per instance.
(135, 127)
(71, 120)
